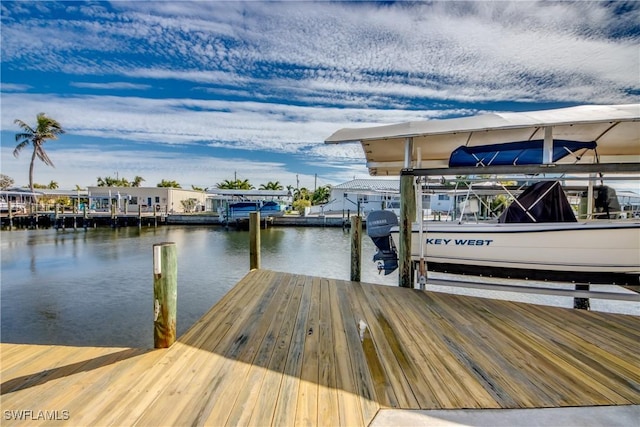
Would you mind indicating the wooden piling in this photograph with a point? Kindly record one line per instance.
(165, 293)
(356, 247)
(407, 216)
(114, 216)
(254, 240)
(55, 216)
(10, 210)
(582, 303)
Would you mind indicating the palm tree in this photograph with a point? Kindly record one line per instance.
(235, 185)
(321, 195)
(271, 186)
(46, 128)
(226, 185)
(244, 184)
(301, 194)
(169, 184)
(137, 181)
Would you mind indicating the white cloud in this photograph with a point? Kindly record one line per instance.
(280, 77)
(247, 125)
(110, 85)
(507, 51)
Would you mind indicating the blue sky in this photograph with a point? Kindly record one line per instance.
(200, 92)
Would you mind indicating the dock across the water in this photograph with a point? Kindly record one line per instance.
(288, 350)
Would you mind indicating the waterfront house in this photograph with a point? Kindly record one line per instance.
(159, 199)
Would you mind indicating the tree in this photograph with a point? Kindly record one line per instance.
(53, 185)
(301, 194)
(5, 181)
(109, 181)
(194, 188)
(244, 184)
(235, 185)
(46, 128)
(321, 195)
(272, 186)
(137, 181)
(169, 184)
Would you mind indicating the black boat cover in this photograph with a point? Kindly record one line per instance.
(542, 202)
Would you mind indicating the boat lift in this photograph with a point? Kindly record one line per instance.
(417, 149)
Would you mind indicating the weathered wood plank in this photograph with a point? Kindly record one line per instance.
(249, 392)
(451, 382)
(264, 408)
(287, 402)
(178, 359)
(307, 408)
(327, 383)
(363, 382)
(434, 368)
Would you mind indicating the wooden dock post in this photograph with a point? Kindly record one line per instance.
(139, 216)
(356, 246)
(114, 216)
(165, 294)
(582, 303)
(407, 216)
(254, 240)
(55, 216)
(10, 210)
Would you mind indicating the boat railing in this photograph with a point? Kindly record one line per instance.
(540, 290)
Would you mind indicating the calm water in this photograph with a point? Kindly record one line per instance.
(96, 287)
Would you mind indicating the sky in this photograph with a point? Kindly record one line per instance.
(207, 91)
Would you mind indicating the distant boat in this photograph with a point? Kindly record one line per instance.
(239, 211)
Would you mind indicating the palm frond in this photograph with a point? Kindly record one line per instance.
(42, 155)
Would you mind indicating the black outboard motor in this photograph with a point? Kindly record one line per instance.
(379, 225)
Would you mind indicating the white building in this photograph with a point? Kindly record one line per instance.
(159, 199)
(365, 195)
(374, 194)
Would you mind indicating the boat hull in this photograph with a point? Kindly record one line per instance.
(573, 251)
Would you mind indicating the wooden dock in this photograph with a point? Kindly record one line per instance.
(283, 349)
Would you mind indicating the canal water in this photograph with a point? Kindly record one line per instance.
(95, 287)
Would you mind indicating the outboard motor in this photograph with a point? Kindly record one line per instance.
(379, 225)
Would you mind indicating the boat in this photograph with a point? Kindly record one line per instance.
(537, 237)
(590, 141)
(239, 211)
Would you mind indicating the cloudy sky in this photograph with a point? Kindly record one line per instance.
(200, 92)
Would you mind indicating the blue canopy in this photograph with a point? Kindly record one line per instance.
(514, 153)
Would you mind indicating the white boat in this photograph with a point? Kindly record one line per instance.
(603, 251)
(239, 211)
(536, 237)
(581, 140)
